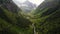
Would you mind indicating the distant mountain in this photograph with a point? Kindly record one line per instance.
(27, 6)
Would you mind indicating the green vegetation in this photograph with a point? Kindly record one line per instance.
(47, 19)
(44, 20)
(13, 23)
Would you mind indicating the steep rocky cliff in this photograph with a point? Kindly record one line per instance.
(10, 5)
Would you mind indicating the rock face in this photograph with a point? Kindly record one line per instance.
(48, 14)
(49, 4)
(9, 4)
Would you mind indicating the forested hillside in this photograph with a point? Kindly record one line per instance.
(11, 20)
(45, 19)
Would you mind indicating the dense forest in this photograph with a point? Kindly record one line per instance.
(45, 19)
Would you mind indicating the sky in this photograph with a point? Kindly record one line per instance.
(37, 2)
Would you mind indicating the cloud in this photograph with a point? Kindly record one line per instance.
(37, 2)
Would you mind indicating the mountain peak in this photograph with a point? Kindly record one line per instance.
(27, 2)
(30, 4)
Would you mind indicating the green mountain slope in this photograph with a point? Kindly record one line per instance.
(47, 17)
(44, 20)
(10, 21)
